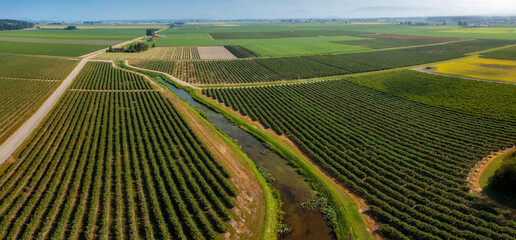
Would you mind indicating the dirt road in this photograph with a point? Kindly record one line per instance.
(18, 137)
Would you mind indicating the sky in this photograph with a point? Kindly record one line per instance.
(89, 10)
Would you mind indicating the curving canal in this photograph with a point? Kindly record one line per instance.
(293, 187)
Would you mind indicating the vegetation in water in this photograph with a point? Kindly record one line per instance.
(327, 211)
(266, 174)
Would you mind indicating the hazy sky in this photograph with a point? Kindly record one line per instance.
(237, 9)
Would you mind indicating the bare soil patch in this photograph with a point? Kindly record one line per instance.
(215, 52)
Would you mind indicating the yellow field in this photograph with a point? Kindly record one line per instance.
(483, 68)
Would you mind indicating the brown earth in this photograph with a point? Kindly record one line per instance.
(436, 39)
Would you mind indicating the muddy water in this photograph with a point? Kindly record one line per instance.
(293, 187)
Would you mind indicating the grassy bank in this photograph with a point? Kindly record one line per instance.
(484, 182)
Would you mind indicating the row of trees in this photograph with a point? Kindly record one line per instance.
(7, 24)
(150, 32)
(410, 161)
(106, 155)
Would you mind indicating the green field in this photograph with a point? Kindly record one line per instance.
(284, 39)
(53, 42)
(32, 67)
(409, 160)
(506, 53)
(484, 99)
(20, 98)
(51, 49)
(200, 36)
(84, 34)
(282, 34)
(288, 68)
(379, 43)
(241, 52)
(100, 75)
(122, 157)
(115, 164)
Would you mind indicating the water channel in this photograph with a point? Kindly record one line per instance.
(293, 187)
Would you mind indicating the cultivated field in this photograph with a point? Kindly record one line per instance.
(408, 160)
(156, 53)
(241, 52)
(483, 99)
(380, 150)
(103, 76)
(287, 68)
(19, 98)
(68, 43)
(114, 164)
(506, 53)
(32, 67)
(291, 39)
(381, 41)
(482, 68)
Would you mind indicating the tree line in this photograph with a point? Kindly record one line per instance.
(133, 48)
(7, 24)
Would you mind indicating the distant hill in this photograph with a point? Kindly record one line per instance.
(7, 24)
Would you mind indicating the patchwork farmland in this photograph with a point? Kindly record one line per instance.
(274, 129)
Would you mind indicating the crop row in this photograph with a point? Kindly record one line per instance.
(288, 68)
(103, 76)
(115, 165)
(18, 98)
(34, 67)
(506, 53)
(203, 72)
(478, 98)
(408, 160)
(156, 53)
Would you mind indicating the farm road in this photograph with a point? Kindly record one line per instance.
(17, 138)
